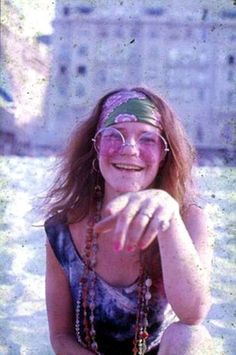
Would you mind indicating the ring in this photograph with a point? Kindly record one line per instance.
(164, 225)
(146, 214)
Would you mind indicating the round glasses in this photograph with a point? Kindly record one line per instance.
(110, 140)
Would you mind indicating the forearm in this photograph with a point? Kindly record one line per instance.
(66, 344)
(185, 280)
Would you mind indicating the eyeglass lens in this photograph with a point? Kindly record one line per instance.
(110, 140)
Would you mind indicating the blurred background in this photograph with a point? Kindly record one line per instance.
(57, 59)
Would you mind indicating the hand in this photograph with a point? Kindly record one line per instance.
(136, 218)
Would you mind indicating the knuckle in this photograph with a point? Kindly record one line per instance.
(132, 239)
(109, 210)
(152, 229)
(123, 219)
(140, 223)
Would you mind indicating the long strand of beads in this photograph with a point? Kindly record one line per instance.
(87, 295)
(141, 339)
(77, 322)
(138, 313)
(144, 295)
(85, 281)
(88, 282)
(92, 293)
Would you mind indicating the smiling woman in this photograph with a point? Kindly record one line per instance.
(123, 228)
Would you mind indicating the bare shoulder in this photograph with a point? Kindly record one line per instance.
(77, 231)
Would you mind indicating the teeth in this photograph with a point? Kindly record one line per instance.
(127, 167)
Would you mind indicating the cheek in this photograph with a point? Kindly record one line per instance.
(109, 152)
(150, 157)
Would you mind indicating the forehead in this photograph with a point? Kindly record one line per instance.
(135, 127)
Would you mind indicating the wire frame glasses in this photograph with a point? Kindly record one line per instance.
(110, 140)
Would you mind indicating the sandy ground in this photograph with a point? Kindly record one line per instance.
(23, 322)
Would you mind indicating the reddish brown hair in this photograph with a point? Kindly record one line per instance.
(72, 194)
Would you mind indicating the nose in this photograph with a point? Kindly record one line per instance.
(130, 148)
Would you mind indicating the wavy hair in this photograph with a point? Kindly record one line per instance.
(73, 196)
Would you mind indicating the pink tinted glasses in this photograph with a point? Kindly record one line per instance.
(110, 140)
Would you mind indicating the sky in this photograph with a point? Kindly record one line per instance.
(37, 15)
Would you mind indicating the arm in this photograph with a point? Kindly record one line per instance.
(60, 310)
(136, 219)
(186, 258)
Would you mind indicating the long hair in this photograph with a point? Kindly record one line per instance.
(72, 194)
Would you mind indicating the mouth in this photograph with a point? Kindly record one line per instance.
(127, 167)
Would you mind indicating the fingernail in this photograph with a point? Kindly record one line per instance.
(117, 246)
(130, 248)
(142, 245)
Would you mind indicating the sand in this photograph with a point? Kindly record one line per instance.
(23, 321)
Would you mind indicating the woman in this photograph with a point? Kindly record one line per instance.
(128, 252)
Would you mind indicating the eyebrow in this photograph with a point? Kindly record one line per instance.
(124, 130)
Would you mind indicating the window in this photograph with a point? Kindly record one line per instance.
(81, 70)
(101, 76)
(228, 14)
(103, 33)
(84, 9)
(80, 90)
(83, 50)
(230, 76)
(62, 89)
(66, 10)
(231, 98)
(154, 11)
(231, 60)
(63, 69)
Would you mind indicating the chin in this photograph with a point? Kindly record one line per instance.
(128, 188)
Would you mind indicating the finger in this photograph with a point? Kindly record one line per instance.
(149, 235)
(117, 204)
(105, 225)
(133, 221)
(159, 222)
(124, 220)
(137, 227)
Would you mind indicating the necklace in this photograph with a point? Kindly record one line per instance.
(86, 297)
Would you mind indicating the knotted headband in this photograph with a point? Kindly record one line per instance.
(129, 106)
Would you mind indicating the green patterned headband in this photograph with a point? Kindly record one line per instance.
(129, 106)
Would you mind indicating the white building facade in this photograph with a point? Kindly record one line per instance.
(189, 58)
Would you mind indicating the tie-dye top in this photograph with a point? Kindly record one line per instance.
(115, 311)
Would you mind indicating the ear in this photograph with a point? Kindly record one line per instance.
(95, 165)
(163, 159)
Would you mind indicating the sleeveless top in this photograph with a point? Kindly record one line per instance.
(115, 310)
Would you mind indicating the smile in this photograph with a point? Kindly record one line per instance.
(127, 167)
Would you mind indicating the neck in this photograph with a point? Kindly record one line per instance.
(109, 196)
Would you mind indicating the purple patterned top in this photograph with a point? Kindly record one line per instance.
(115, 312)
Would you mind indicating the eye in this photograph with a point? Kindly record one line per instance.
(149, 138)
(112, 135)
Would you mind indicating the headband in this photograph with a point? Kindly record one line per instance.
(129, 106)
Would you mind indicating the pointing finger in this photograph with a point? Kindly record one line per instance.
(105, 225)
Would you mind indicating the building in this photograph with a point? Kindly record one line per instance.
(24, 76)
(186, 52)
(189, 59)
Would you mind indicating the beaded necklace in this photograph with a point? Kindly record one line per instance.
(86, 296)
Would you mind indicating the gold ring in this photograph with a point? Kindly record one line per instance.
(164, 225)
(146, 214)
